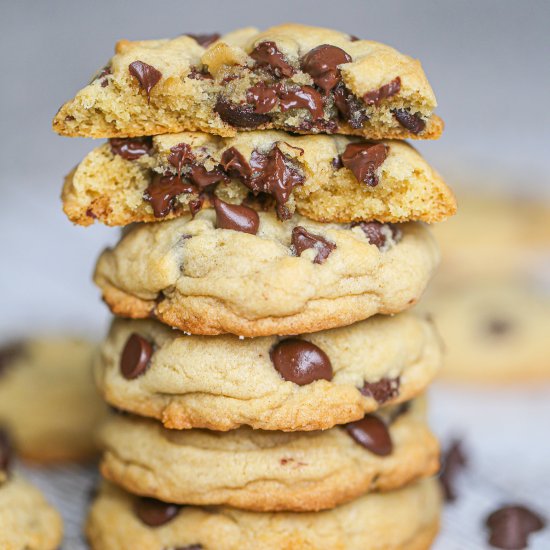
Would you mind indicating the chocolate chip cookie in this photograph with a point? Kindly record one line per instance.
(48, 399)
(326, 178)
(268, 470)
(406, 519)
(309, 382)
(290, 77)
(234, 269)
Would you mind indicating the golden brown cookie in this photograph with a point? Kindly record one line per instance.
(290, 77)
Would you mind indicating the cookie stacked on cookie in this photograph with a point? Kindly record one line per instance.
(267, 376)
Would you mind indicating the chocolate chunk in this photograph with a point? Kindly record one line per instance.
(6, 450)
(131, 148)
(300, 361)
(268, 56)
(199, 74)
(383, 390)
(240, 116)
(180, 155)
(155, 513)
(351, 109)
(363, 159)
(322, 62)
(191, 547)
(413, 123)
(337, 163)
(372, 433)
(511, 526)
(302, 240)
(452, 461)
(135, 357)
(162, 193)
(203, 178)
(304, 97)
(204, 40)
(374, 97)
(353, 38)
(377, 233)
(146, 75)
(195, 205)
(264, 98)
(499, 327)
(9, 353)
(236, 217)
(235, 164)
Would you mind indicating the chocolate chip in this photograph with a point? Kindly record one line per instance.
(372, 433)
(6, 450)
(396, 411)
(155, 513)
(452, 461)
(203, 178)
(264, 98)
(131, 148)
(204, 40)
(377, 233)
(413, 123)
(235, 164)
(191, 547)
(303, 239)
(199, 74)
(146, 75)
(511, 525)
(383, 390)
(300, 361)
(267, 55)
(374, 97)
(195, 206)
(135, 357)
(102, 75)
(351, 109)
(180, 155)
(90, 213)
(304, 97)
(162, 193)
(322, 62)
(337, 163)
(9, 353)
(499, 327)
(363, 159)
(240, 116)
(353, 38)
(236, 217)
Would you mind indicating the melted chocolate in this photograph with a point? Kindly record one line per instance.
(240, 116)
(147, 76)
(413, 123)
(371, 433)
(131, 148)
(302, 240)
(268, 56)
(322, 63)
(363, 159)
(162, 193)
(236, 217)
(374, 97)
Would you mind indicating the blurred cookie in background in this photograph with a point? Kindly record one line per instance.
(494, 330)
(48, 400)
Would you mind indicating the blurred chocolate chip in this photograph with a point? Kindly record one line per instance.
(377, 233)
(180, 155)
(396, 411)
(199, 74)
(195, 206)
(236, 217)
(303, 239)
(146, 75)
(372, 433)
(9, 353)
(499, 327)
(337, 163)
(374, 97)
(191, 547)
(155, 513)
(240, 116)
(353, 38)
(6, 450)
(453, 460)
(300, 361)
(235, 164)
(135, 357)
(102, 75)
(413, 123)
(131, 148)
(268, 56)
(321, 63)
(304, 97)
(363, 159)
(162, 193)
(351, 109)
(511, 526)
(383, 390)
(264, 98)
(90, 213)
(203, 178)
(204, 40)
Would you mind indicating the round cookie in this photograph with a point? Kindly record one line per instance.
(48, 400)
(201, 276)
(494, 330)
(222, 382)
(271, 471)
(406, 519)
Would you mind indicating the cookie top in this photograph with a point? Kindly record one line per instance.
(48, 399)
(27, 521)
(290, 77)
(327, 178)
(261, 276)
(271, 471)
(406, 519)
(222, 382)
(494, 330)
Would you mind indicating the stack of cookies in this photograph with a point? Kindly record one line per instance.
(267, 378)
